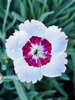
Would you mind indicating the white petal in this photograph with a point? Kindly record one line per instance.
(59, 45)
(15, 43)
(57, 39)
(53, 32)
(27, 73)
(33, 28)
(56, 66)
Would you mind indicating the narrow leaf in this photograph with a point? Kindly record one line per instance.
(20, 90)
(44, 15)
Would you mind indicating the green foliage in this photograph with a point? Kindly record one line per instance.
(20, 90)
(50, 12)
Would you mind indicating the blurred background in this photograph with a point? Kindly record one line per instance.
(50, 12)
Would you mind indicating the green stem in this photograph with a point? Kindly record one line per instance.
(44, 5)
(10, 78)
(31, 8)
(6, 14)
(20, 90)
(11, 24)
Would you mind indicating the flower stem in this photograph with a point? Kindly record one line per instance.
(44, 6)
(31, 8)
(6, 14)
(10, 78)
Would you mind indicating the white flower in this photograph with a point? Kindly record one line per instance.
(37, 51)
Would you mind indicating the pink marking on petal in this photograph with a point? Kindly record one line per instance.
(45, 60)
(26, 49)
(35, 40)
(31, 61)
(46, 45)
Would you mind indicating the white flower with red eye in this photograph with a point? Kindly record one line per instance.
(37, 51)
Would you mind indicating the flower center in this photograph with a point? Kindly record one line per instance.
(37, 51)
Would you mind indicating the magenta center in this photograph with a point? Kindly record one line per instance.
(37, 51)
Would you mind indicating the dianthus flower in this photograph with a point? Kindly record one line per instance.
(37, 51)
